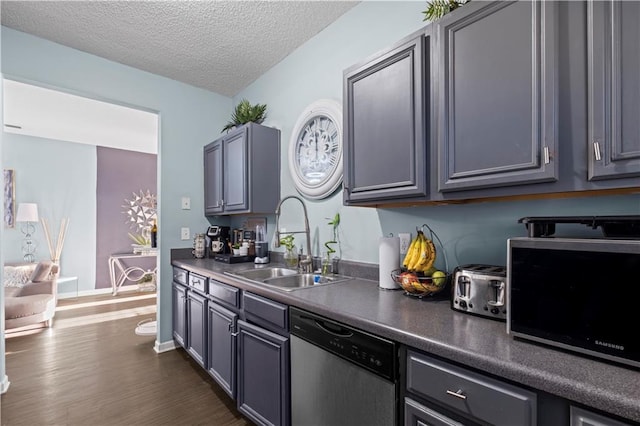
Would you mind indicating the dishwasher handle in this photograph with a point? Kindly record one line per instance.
(333, 329)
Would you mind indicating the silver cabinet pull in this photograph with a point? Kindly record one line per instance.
(547, 157)
(596, 150)
(457, 394)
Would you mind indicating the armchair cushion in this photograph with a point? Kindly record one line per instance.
(41, 272)
(17, 276)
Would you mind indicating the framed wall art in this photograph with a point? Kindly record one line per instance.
(9, 198)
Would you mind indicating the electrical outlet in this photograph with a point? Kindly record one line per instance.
(186, 203)
(185, 233)
(405, 241)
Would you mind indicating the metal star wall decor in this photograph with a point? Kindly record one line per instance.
(140, 210)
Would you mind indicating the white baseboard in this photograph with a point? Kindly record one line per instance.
(164, 346)
(97, 291)
(4, 386)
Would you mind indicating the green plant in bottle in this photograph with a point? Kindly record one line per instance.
(290, 258)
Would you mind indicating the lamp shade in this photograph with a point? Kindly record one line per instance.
(27, 212)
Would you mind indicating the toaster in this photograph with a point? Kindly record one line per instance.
(480, 290)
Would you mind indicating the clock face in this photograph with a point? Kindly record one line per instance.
(315, 150)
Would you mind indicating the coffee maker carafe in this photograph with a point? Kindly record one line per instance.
(219, 239)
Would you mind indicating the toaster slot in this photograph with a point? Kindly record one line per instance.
(463, 287)
(496, 291)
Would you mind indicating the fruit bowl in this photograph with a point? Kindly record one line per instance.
(418, 285)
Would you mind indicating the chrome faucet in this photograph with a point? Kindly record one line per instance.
(305, 264)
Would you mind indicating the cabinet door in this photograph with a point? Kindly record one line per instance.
(580, 417)
(416, 414)
(614, 89)
(235, 170)
(179, 304)
(263, 375)
(197, 327)
(497, 99)
(213, 178)
(221, 347)
(384, 125)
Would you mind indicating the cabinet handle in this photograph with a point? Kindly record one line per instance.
(221, 203)
(457, 394)
(547, 156)
(596, 150)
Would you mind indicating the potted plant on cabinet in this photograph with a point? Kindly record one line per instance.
(246, 113)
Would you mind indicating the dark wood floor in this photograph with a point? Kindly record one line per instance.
(92, 369)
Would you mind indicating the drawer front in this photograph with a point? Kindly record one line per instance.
(272, 315)
(470, 393)
(416, 414)
(225, 294)
(180, 275)
(198, 282)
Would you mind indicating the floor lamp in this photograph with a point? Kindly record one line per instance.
(28, 214)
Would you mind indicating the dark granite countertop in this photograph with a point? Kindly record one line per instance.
(433, 327)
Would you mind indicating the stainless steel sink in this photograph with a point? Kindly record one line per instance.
(288, 279)
(293, 282)
(265, 273)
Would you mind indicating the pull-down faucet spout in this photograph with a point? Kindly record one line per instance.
(306, 264)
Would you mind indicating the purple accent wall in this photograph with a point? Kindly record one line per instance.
(120, 174)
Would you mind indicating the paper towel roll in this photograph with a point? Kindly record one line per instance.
(389, 259)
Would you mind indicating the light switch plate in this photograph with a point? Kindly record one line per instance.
(405, 241)
(186, 203)
(185, 233)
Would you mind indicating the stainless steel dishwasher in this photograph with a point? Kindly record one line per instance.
(340, 375)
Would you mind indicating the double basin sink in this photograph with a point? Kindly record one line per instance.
(287, 279)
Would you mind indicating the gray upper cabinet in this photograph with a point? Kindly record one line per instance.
(213, 178)
(497, 95)
(242, 171)
(385, 117)
(614, 89)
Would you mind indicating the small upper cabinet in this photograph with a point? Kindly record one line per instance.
(385, 117)
(242, 171)
(497, 95)
(614, 89)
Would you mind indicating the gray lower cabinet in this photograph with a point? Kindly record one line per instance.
(263, 375)
(264, 386)
(179, 306)
(614, 89)
(497, 95)
(582, 417)
(473, 396)
(385, 123)
(242, 171)
(221, 347)
(197, 327)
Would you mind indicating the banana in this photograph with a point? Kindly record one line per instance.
(427, 255)
(408, 256)
(415, 252)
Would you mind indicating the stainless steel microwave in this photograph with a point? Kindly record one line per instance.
(576, 294)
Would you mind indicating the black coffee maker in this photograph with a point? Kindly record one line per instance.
(218, 240)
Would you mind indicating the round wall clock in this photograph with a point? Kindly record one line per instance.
(315, 149)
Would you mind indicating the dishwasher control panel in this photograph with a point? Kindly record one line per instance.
(374, 353)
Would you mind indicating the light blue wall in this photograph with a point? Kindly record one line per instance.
(189, 118)
(471, 233)
(61, 178)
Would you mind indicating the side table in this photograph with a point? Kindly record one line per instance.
(118, 273)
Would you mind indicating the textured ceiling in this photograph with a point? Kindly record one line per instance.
(222, 46)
